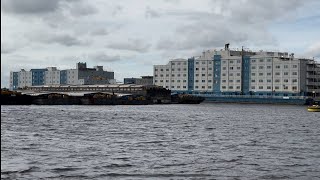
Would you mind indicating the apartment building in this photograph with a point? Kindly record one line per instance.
(52, 76)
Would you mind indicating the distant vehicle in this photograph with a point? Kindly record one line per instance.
(315, 107)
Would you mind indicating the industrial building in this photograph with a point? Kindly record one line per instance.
(52, 76)
(144, 80)
(233, 72)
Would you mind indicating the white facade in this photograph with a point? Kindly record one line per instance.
(267, 73)
(286, 75)
(203, 75)
(173, 76)
(231, 74)
(52, 76)
(25, 79)
(11, 81)
(72, 77)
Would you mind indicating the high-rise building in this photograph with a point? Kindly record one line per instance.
(229, 72)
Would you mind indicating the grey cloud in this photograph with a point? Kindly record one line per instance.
(62, 39)
(150, 13)
(183, 14)
(116, 10)
(6, 50)
(172, 1)
(99, 32)
(29, 6)
(255, 11)
(201, 36)
(101, 57)
(131, 45)
(36, 7)
(195, 15)
(234, 22)
(81, 9)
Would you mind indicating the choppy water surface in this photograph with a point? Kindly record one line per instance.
(206, 141)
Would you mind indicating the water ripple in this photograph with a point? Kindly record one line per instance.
(206, 141)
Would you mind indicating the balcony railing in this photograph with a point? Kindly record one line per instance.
(313, 69)
(313, 76)
(313, 83)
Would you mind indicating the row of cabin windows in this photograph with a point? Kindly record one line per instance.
(178, 87)
(277, 74)
(276, 80)
(203, 62)
(178, 75)
(231, 74)
(231, 68)
(286, 66)
(178, 69)
(286, 73)
(203, 81)
(202, 87)
(172, 75)
(184, 63)
(34, 77)
(294, 88)
(230, 87)
(171, 81)
(231, 61)
(204, 74)
(285, 80)
(197, 69)
(54, 82)
(277, 67)
(260, 60)
(231, 80)
(53, 77)
(184, 87)
(24, 82)
(260, 67)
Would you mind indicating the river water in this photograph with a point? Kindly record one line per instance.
(205, 141)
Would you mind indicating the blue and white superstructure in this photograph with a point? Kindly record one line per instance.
(232, 72)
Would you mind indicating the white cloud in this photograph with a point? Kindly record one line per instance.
(313, 51)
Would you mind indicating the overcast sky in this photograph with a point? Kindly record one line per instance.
(129, 36)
